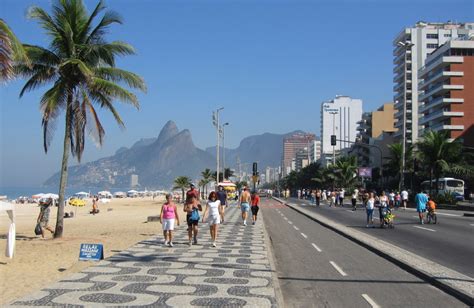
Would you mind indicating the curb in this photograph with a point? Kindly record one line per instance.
(452, 282)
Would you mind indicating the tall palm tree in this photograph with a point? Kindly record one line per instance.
(80, 64)
(228, 173)
(11, 51)
(181, 182)
(394, 163)
(346, 171)
(437, 153)
(207, 177)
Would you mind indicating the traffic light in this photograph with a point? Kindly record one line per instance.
(333, 140)
(254, 169)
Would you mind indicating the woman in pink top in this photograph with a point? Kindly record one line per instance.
(168, 215)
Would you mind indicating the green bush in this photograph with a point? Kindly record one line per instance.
(446, 198)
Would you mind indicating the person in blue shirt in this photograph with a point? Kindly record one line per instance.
(420, 201)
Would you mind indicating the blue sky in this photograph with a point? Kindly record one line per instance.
(269, 63)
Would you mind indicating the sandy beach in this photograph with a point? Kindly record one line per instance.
(38, 263)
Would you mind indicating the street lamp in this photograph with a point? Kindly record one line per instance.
(334, 133)
(406, 46)
(223, 149)
(215, 122)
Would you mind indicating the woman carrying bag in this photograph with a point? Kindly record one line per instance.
(192, 209)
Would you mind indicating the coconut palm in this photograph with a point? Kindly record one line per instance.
(394, 163)
(181, 182)
(346, 171)
(207, 177)
(80, 65)
(228, 173)
(11, 51)
(438, 153)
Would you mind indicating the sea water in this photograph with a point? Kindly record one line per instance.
(13, 193)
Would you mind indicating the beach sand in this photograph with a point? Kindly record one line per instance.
(37, 263)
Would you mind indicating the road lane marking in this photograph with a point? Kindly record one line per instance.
(316, 247)
(446, 214)
(472, 224)
(290, 222)
(296, 228)
(338, 268)
(304, 235)
(285, 218)
(425, 228)
(370, 301)
(350, 211)
(303, 204)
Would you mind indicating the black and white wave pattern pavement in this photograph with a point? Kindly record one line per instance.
(235, 273)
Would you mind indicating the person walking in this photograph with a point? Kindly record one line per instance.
(222, 197)
(333, 199)
(323, 195)
(213, 206)
(192, 208)
(404, 195)
(244, 202)
(398, 199)
(355, 195)
(369, 208)
(383, 203)
(318, 197)
(341, 197)
(95, 206)
(254, 208)
(420, 201)
(43, 216)
(391, 199)
(168, 217)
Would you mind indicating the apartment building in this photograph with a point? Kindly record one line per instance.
(411, 48)
(339, 117)
(292, 145)
(446, 90)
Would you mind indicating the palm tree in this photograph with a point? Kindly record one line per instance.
(181, 182)
(207, 177)
(80, 64)
(437, 153)
(228, 173)
(11, 51)
(202, 184)
(394, 164)
(346, 171)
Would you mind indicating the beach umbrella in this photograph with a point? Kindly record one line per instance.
(104, 200)
(10, 209)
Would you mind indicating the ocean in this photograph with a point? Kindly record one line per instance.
(15, 192)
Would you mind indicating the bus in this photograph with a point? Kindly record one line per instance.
(452, 185)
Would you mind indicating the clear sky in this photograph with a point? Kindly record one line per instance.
(269, 63)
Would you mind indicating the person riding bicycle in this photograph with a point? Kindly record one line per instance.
(431, 206)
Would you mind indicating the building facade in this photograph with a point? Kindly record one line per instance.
(315, 151)
(339, 117)
(411, 48)
(291, 145)
(447, 90)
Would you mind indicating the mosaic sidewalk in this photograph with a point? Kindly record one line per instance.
(235, 273)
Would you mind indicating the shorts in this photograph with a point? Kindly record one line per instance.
(190, 221)
(421, 209)
(214, 220)
(168, 224)
(244, 207)
(254, 209)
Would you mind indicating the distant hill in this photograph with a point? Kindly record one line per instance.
(266, 149)
(156, 161)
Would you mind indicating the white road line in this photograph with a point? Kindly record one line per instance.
(337, 268)
(304, 235)
(446, 214)
(296, 228)
(472, 224)
(303, 204)
(316, 247)
(290, 222)
(350, 211)
(285, 218)
(370, 301)
(425, 228)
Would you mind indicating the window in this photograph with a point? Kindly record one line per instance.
(432, 35)
(447, 35)
(431, 45)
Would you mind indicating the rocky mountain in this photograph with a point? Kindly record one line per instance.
(156, 161)
(266, 149)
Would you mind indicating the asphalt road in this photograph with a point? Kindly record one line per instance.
(450, 242)
(317, 267)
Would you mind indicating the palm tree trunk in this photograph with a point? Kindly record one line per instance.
(182, 194)
(431, 179)
(58, 233)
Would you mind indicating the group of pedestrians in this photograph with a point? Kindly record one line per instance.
(213, 213)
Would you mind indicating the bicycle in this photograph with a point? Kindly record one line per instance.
(431, 216)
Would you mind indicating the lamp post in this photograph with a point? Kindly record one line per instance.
(223, 149)
(215, 122)
(334, 133)
(406, 46)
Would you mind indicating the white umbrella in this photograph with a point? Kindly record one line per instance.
(10, 209)
(50, 195)
(104, 200)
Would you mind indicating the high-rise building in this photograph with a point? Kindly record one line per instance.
(315, 150)
(133, 180)
(411, 47)
(447, 90)
(339, 117)
(291, 145)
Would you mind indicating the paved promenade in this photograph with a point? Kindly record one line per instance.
(236, 273)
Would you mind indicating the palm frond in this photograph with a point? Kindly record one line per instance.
(114, 91)
(119, 75)
(110, 17)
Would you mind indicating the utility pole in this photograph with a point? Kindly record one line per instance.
(334, 133)
(215, 122)
(223, 149)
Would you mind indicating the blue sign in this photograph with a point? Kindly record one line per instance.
(91, 252)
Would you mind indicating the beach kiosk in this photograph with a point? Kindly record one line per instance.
(10, 209)
(229, 188)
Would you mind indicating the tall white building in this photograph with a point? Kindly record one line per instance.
(339, 117)
(315, 150)
(411, 47)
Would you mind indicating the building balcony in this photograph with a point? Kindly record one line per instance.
(399, 113)
(400, 58)
(442, 61)
(439, 90)
(439, 115)
(447, 127)
(438, 102)
(441, 76)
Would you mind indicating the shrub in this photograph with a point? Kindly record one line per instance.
(445, 198)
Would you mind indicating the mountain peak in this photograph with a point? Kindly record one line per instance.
(168, 131)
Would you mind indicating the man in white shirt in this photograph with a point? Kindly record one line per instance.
(404, 199)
